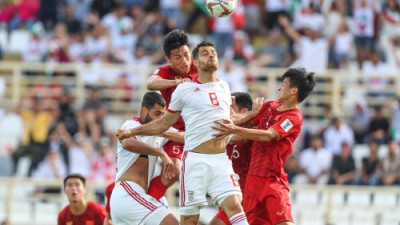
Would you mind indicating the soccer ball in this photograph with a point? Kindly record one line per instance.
(221, 8)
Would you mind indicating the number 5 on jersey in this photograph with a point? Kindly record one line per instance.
(213, 98)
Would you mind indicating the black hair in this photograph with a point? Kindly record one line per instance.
(75, 175)
(204, 43)
(303, 80)
(243, 100)
(175, 39)
(150, 99)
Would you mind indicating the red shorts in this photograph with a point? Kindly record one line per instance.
(173, 149)
(222, 216)
(266, 201)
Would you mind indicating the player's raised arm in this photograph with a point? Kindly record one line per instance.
(241, 119)
(174, 136)
(153, 128)
(156, 83)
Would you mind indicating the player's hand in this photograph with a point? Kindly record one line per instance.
(168, 166)
(226, 127)
(122, 134)
(181, 80)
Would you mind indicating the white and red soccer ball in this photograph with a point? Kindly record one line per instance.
(221, 8)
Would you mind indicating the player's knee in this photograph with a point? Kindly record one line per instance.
(189, 220)
(169, 220)
(232, 204)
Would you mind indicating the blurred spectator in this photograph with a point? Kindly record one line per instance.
(11, 130)
(52, 167)
(48, 12)
(336, 134)
(123, 44)
(36, 49)
(58, 45)
(390, 25)
(334, 17)
(59, 139)
(171, 9)
(152, 41)
(80, 152)
(379, 127)
(371, 166)
(5, 222)
(103, 7)
(274, 9)
(343, 170)
(102, 166)
(253, 16)
(234, 75)
(73, 25)
(364, 30)
(342, 46)
(275, 52)
(374, 65)
(7, 11)
(81, 8)
(359, 120)
(66, 112)
(114, 21)
(77, 48)
(96, 43)
(391, 165)
(26, 12)
(241, 51)
(222, 30)
(92, 115)
(309, 17)
(292, 167)
(37, 121)
(315, 163)
(311, 49)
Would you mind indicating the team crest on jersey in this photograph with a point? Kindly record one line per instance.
(197, 89)
(286, 125)
(89, 222)
(156, 71)
(69, 223)
(190, 195)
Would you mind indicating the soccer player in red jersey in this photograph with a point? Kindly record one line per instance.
(165, 79)
(239, 152)
(109, 189)
(266, 200)
(79, 211)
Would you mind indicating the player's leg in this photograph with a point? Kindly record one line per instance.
(193, 186)
(220, 218)
(285, 223)
(169, 220)
(225, 189)
(190, 219)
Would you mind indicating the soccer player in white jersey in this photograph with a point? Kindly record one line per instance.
(136, 157)
(206, 168)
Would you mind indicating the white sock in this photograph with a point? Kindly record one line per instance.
(239, 219)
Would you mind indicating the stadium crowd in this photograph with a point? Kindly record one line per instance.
(60, 139)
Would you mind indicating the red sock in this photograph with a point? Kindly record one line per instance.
(156, 188)
(222, 216)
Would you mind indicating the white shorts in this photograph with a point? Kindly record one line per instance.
(203, 174)
(130, 204)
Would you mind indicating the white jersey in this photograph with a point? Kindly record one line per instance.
(125, 158)
(200, 105)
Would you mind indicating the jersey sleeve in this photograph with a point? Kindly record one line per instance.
(287, 125)
(256, 120)
(129, 124)
(161, 72)
(176, 103)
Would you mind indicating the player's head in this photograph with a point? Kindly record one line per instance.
(176, 49)
(153, 107)
(297, 82)
(74, 187)
(205, 56)
(243, 102)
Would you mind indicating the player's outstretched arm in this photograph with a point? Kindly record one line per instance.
(242, 119)
(155, 127)
(156, 83)
(174, 136)
(226, 127)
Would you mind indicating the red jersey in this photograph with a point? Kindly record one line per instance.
(268, 158)
(166, 72)
(108, 193)
(94, 215)
(240, 155)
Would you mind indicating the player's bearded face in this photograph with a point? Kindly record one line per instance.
(154, 113)
(208, 59)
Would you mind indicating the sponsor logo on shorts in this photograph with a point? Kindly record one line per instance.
(286, 125)
(190, 195)
(280, 212)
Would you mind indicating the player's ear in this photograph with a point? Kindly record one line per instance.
(294, 90)
(168, 59)
(143, 111)
(195, 62)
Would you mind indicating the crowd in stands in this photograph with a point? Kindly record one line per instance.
(60, 139)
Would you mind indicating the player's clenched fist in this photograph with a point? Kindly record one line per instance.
(122, 134)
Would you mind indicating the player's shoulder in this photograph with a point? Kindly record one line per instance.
(162, 71)
(186, 86)
(95, 206)
(131, 123)
(63, 212)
